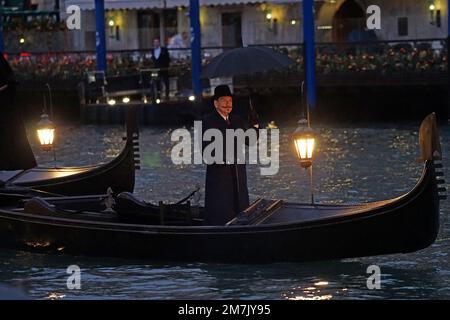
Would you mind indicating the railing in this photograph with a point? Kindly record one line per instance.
(410, 57)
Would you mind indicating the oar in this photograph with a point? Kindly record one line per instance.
(253, 115)
(189, 196)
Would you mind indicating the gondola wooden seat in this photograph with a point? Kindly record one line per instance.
(175, 214)
(132, 209)
(64, 208)
(258, 212)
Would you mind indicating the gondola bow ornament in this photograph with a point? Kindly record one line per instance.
(430, 146)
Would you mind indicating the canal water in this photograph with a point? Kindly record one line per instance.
(353, 164)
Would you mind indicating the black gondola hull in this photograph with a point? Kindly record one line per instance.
(408, 223)
(118, 174)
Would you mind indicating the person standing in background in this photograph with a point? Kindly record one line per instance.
(161, 60)
(179, 42)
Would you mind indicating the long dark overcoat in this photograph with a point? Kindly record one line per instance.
(226, 192)
(162, 62)
(15, 150)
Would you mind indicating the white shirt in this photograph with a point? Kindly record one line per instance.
(224, 118)
(157, 52)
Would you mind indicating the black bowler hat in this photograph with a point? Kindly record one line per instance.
(222, 91)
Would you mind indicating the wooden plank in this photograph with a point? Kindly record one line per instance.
(257, 212)
(269, 211)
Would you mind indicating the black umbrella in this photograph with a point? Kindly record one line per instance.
(245, 61)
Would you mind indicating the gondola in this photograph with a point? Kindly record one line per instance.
(268, 231)
(118, 174)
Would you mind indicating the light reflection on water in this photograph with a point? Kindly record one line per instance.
(352, 165)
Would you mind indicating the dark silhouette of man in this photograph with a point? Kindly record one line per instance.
(161, 60)
(226, 192)
(15, 149)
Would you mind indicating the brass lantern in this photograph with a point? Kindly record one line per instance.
(46, 132)
(304, 142)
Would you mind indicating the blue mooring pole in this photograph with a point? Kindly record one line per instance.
(448, 21)
(100, 39)
(196, 55)
(309, 52)
(448, 57)
(448, 17)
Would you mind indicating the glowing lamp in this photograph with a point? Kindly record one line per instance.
(304, 142)
(46, 132)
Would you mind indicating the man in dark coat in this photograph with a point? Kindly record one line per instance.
(226, 192)
(15, 149)
(161, 60)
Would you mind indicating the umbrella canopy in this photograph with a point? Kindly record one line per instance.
(245, 61)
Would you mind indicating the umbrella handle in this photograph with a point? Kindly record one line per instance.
(253, 116)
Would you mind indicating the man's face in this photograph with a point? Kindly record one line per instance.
(224, 105)
(156, 43)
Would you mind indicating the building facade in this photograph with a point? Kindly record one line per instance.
(132, 24)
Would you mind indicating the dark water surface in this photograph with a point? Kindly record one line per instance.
(352, 165)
